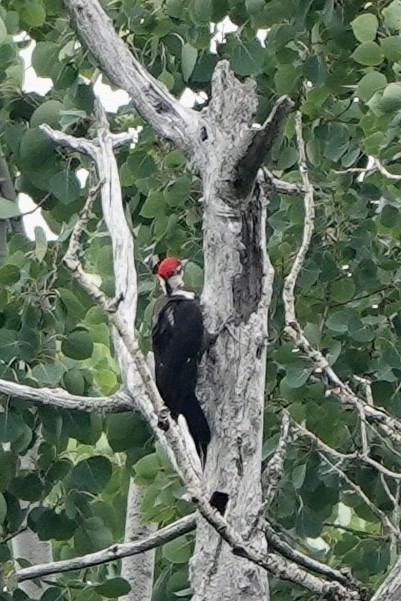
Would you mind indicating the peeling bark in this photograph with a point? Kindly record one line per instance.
(238, 283)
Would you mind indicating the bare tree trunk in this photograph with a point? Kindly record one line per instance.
(27, 544)
(138, 569)
(237, 291)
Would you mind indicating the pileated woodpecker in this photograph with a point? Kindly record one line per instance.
(177, 337)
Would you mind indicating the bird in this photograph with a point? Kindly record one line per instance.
(178, 343)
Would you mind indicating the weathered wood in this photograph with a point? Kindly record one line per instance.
(236, 296)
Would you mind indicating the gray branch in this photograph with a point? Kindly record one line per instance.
(271, 182)
(257, 143)
(342, 576)
(57, 397)
(389, 424)
(131, 359)
(162, 536)
(274, 470)
(390, 590)
(153, 102)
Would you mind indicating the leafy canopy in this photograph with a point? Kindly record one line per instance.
(340, 62)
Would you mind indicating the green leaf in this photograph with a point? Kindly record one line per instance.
(153, 205)
(174, 159)
(3, 31)
(168, 79)
(48, 374)
(91, 475)
(3, 509)
(365, 27)
(174, 8)
(193, 276)
(40, 243)
(107, 381)
(247, 58)
(74, 381)
(114, 587)
(148, 467)
(177, 192)
(71, 303)
(359, 332)
(178, 550)
(188, 60)
(8, 209)
(7, 465)
(308, 523)
(36, 148)
(126, 430)
(391, 99)
(77, 345)
(92, 536)
(298, 476)
(342, 290)
(254, 7)
(52, 525)
(65, 186)
(9, 347)
(53, 593)
(27, 487)
(201, 11)
(338, 321)
(371, 83)
(392, 15)
(11, 426)
(391, 47)
(312, 332)
(85, 427)
(140, 165)
(296, 377)
(368, 53)
(389, 216)
(286, 78)
(48, 112)
(33, 14)
(9, 274)
(44, 55)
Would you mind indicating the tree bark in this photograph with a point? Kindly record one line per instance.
(27, 544)
(138, 569)
(390, 590)
(236, 295)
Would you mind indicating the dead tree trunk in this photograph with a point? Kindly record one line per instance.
(238, 283)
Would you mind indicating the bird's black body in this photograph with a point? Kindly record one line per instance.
(177, 337)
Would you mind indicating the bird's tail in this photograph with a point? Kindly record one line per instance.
(197, 425)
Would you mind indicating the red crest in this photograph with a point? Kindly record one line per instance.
(168, 267)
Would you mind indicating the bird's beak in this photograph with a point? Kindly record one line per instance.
(184, 262)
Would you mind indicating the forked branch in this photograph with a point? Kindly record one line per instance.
(389, 424)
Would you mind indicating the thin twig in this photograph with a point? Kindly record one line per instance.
(274, 470)
(389, 424)
(162, 536)
(277, 543)
(356, 455)
(139, 372)
(387, 523)
(291, 279)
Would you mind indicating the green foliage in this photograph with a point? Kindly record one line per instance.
(340, 63)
